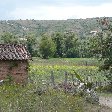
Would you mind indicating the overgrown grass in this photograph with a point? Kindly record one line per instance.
(88, 73)
(16, 98)
(106, 94)
(67, 61)
(38, 96)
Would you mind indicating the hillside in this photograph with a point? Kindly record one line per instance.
(81, 27)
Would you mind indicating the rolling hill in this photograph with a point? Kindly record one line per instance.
(81, 27)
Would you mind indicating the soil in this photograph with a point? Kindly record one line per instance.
(106, 101)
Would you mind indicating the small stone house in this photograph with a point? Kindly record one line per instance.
(14, 62)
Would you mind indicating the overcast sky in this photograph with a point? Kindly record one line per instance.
(54, 9)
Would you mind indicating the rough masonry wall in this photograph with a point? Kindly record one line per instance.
(18, 70)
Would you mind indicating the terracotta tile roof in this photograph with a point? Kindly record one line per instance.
(14, 52)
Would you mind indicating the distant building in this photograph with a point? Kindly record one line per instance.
(22, 39)
(93, 32)
(14, 62)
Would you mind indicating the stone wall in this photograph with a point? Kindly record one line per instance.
(18, 70)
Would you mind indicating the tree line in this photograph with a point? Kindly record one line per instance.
(68, 44)
(56, 45)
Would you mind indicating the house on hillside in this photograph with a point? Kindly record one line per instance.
(14, 62)
(93, 33)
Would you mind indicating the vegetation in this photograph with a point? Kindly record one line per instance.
(85, 67)
(103, 47)
(67, 43)
(59, 40)
(15, 98)
(38, 94)
(20, 28)
(47, 47)
(8, 38)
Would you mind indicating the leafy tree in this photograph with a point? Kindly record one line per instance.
(102, 46)
(58, 39)
(47, 47)
(83, 48)
(71, 45)
(32, 44)
(9, 38)
(66, 44)
(104, 43)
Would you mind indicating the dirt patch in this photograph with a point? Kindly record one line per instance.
(106, 101)
(96, 108)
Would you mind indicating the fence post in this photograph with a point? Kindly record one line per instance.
(72, 75)
(66, 78)
(52, 80)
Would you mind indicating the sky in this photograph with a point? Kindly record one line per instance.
(54, 9)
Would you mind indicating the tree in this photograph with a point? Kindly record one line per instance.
(58, 39)
(84, 50)
(31, 44)
(66, 44)
(104, 43)
(71, 45)
(47, 47)
(102, 46)
(9, 38)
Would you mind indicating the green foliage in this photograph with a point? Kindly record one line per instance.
(32, 44)
(78, 76)
(9, 38)
(15, 98)
(13, 64)
(44, 70)
(22, 27)
(106, 89)
(64, 33)
(58, 39)
(27, 98)
(84, 48)
(103, 42)
(66, 45)
(102, 45)
(9, 79)
(66, 61)
(47, 47)
(71, 45)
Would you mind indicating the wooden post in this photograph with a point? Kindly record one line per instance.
(72, 75)
(66, 78)
(52, 79)
(65, 82)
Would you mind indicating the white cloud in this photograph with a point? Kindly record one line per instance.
(48, 13)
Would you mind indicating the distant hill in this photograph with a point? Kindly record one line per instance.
(81, 27)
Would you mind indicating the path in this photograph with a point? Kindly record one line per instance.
(107, 101)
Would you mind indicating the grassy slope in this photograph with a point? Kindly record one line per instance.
(66, 61)
(21, 99)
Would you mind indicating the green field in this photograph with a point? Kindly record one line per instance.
(67, 61)
(39, 96)
(84, 67)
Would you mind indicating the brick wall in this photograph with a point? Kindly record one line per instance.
(18, 70)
